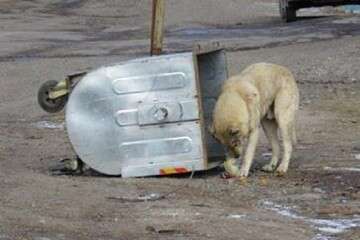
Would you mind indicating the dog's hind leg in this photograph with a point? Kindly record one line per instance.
(286, 104)
(271, 131)
(286, 134)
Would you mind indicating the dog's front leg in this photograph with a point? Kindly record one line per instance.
(250, 152)
(230, 165)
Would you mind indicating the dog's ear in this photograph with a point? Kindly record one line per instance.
(233, 131)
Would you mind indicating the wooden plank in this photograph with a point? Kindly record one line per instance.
(157, 27)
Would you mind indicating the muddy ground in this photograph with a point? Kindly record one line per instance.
(318, 199)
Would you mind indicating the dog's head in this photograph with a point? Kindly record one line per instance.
(230, 122)
(232, 137)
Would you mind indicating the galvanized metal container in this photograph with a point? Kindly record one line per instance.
(148, 116)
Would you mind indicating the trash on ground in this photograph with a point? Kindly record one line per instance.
(49, 125)
(351, 169)
(236, 216)
(145, 198)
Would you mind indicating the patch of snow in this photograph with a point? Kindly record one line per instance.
(322, 237)
(335, 226)
(282, 210)
(326, 227)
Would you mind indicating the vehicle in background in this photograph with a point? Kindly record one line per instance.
(288, 8)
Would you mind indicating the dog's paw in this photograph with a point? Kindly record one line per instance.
(243, 173)
(281, 170)
(280, 173)
(231, 168)
(269, 167)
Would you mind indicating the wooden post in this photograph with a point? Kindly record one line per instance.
(157, 27)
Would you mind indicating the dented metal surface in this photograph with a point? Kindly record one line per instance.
(143, 116)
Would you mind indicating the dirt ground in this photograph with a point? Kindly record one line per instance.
(320, 197)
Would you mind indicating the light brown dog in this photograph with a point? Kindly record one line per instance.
(263, 94)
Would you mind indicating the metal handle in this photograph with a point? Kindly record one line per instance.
(161, 114)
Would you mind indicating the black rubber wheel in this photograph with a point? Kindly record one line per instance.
(287, 13)
(47, 104)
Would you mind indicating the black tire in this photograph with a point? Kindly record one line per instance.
(287, 13)
(47, 104)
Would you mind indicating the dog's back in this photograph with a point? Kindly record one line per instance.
(266, 80)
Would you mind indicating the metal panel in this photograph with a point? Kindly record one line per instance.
(142, 114)
(149, 83)
(212, 68)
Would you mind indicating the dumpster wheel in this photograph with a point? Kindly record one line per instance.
(48, 104)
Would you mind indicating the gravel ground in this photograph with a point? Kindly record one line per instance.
(319, 199)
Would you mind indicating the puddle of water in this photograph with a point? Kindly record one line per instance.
(49, 125)
(327, 228)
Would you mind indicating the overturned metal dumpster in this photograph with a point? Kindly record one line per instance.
(148, 116)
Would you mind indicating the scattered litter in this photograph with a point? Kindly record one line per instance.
(342, 169)
(70, 166)
(146, 198)
(34, 137)
(268, 154)
(149, 197)
(169, 231)
(162, 231)
(49, 125)
(318, 190)
(324, 226)
(236, 216)
(200, 205)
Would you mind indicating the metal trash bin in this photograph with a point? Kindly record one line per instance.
(148, 116)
